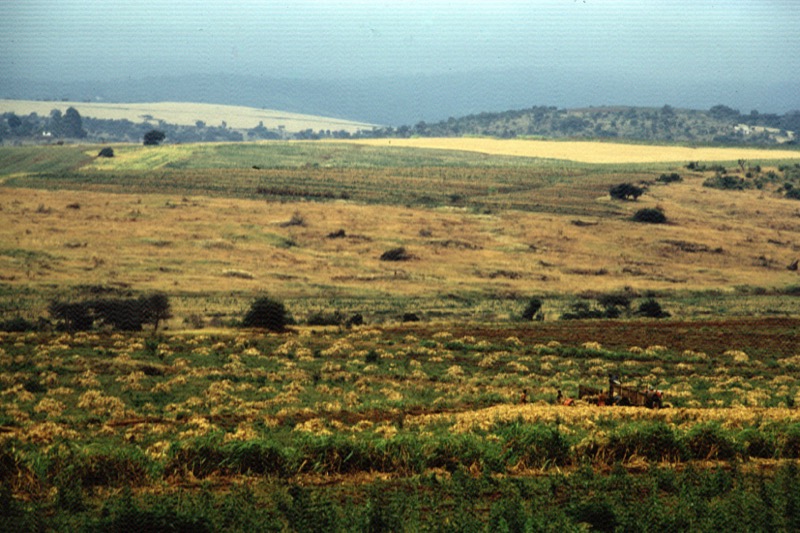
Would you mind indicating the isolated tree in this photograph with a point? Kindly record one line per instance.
(13, 121)
(625, 191)
(54, 123)
(72, 124)
(652, 309)
(154, 137)
(532, 309)
(71, 316)
(266, 313)
(156, 308)
(106, 152)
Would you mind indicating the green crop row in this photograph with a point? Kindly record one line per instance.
(660, 498)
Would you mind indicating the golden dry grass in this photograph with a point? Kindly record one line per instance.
(199, 244)
(186, 113)
(587, 151)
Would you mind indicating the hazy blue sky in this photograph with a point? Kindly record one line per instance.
(731, 40)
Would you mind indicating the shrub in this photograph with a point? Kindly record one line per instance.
(650, 215)
(395, 254)
(321, 318)
(71, 316)
(266, 313)
(709, 441)
(581, 310)
(106, 152)
(670, 178)
(789, 442)
(625, 191)
(532, 310)
(758, 443)
(18, 325)
(154, 137)
(533, 445)
(654, 440)
(650, 308)
(296, 220)
(725, 182)
(355, 320)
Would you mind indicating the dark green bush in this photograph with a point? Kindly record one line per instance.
(532, 309)
(655, 441)
(650, 308)
(322, 318)
(396, 254)
(267, 313)
(789, 442)
(18, 325)
(670, 178)
(710, 441)
(650, 215)
(758, 443)
(533, 445)
(726, 182)
(626, 191)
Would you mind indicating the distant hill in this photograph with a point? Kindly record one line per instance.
(41, 121)
(188, 114)
(718, 125)
(409, 99)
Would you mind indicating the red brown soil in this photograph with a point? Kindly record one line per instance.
(778, 337)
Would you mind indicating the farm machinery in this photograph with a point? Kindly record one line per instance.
(617, 394)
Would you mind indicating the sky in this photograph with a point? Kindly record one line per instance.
(730, 41)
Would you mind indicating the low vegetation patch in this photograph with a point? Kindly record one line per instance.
(650, 215)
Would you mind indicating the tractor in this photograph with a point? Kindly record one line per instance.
(619, 395)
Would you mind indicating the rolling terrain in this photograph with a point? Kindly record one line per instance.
(437, 409)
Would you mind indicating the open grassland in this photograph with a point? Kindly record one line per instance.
(187, 114)
(586, 151)
(201, 223)
(395, 409)
(389, 426)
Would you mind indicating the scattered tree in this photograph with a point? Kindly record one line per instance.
(156, 309)
(72, 124)
(626, 191)
(533, 310)
(652, 309)
(154, 137)
(267, 313)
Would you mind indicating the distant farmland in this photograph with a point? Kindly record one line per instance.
(587, 151)
(187, 114)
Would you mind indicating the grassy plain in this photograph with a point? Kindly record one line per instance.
(484, 232)
(392, 426)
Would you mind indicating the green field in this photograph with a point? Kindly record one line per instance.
(395, 425)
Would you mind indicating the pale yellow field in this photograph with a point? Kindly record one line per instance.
(185, 113)
(586, 151)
